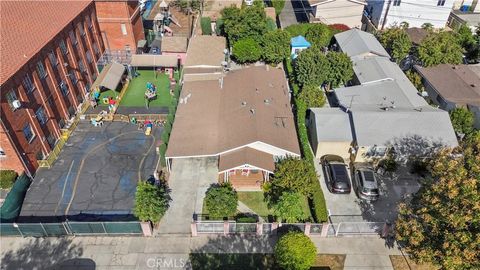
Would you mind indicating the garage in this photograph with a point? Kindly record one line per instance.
(330, 132)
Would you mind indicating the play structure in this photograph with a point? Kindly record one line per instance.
(150, 93)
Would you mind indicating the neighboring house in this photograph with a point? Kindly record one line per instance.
(387, 13)
(298, 44)
(174, 45)
(465, 12)
(417, 35)
(244, 120)
(382, 111)
(48, 65)
(452, 86)
(357, 43)
(348, 12)
(206, 58)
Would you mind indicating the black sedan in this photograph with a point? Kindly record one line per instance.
(336, 174)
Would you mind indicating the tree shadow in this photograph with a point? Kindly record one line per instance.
(39, 253)
(235, 252)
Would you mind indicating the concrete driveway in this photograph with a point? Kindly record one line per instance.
(189, 179)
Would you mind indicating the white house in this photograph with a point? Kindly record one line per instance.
(386, 13)
(348, 12)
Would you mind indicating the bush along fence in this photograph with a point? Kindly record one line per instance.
(311, 229)
(167, 129)
(316, 200)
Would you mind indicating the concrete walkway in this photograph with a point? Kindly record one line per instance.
(243, 208)
(169, 252)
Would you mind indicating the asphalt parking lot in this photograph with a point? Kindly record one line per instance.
(349, 208)
(95, 174)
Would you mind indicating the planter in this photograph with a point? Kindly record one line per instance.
(147, 228)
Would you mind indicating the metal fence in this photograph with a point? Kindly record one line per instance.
(109, 228)
(355, 228)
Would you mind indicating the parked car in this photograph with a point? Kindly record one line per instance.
(336, 174)
(366, 184)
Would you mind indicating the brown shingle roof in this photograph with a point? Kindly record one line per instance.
(174, 44)
(253, 106)
(27, 26)
(458, 84)
(246, 156)
(416, 34)
(206, 51)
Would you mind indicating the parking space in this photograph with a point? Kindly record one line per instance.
(349, 208)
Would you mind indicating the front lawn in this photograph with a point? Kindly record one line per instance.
(135, 93)
(255, 201)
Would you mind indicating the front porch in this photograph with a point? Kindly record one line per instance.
(245, 179)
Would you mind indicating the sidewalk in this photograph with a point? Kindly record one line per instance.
(169, 252)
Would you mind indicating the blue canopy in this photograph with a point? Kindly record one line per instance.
(299, 41)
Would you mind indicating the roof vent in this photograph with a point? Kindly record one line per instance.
(454, 67)
(473, 85)
(252, 111)
(244, 103)
(266, 101)
(270, 84)
(256, 90)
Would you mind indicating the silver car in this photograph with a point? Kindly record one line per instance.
(366, 185)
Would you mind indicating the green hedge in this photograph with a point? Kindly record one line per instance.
(317, 200)
(7, 178)
(206, 24)
(162, 149)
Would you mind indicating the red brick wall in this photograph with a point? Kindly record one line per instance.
(10, 160)
(47, 94)
(111, 15)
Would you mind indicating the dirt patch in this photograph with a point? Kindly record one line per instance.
(329, 262)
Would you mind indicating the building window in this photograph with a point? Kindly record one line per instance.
(81, 66)
(27, 83)
(89, 57)
(64, 88)
(80, 28)
(441, 3)
(41, 70)
(73, 38)
(89, 21)
(73, 76)
(41, 116)
(124, 29)
(51, 141)
(63, 47)
(87, 87)
(396, 3)
(11, 96)
(53, 58)
(28, 133)
(2, 152)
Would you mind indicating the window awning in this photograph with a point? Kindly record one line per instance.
(152, 60)
(110, 76)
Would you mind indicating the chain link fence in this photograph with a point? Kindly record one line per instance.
(109, 228)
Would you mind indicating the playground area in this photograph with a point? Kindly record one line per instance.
(95, 175)
(137, 89)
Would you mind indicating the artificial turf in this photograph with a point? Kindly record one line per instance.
(135, 93)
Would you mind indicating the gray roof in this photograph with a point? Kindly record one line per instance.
(371, 69)
(404, 128)
(379, 94)
(355, 42)
(332, 125)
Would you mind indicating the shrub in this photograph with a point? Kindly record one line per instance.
(245, 219)
(338, 27)
(298, 29)
(170, 118)
(151, 202)
(389, 164)
(462, 120)
(312, 96)
(247, 51)
(289, 208)
(271, 24)
(319, 34)
(219, 27)
(206, 24)
(293, 174)
(7, 178)
(275, 46)
(221, 201)
(295, 251)
(162, 149)
(318, 204)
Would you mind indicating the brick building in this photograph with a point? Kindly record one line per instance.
(120, 23)
(47, 65)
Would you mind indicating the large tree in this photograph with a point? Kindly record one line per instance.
(440, 48)
(276, 46)
(441, 224)
(319, 34)
(340, 69)
(244, 23)
(397, 42)
(312, 96)
(151, 201)
(247, 50)
(462, 120)
(295, 251)
(311, 67)
(293, 174)
(221, 201)
(469, 43)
